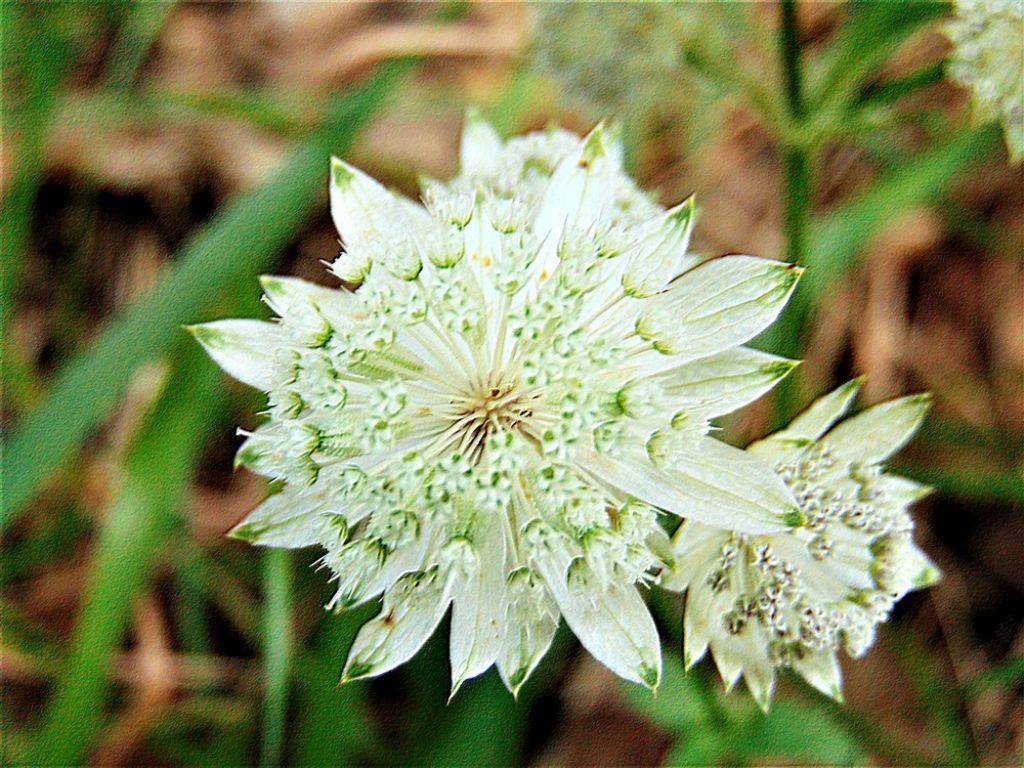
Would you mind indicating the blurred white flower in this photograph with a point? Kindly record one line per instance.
(497, 416)
(988, 58)
(795, 598)
(613, 57)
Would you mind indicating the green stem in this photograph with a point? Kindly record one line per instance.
(796, 203)
(796, 211)
(277, 652)
(789, 46)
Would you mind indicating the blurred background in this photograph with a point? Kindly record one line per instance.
(158, 156)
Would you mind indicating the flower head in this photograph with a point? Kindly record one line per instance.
(988, 58)
(795, 598)
(515, 391)
(614, 58)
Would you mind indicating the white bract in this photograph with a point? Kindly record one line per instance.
(795, 598)
(495, 418)
(988, 58)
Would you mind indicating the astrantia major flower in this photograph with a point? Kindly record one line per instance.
(988, 58)
(796, 598)
(495, 418)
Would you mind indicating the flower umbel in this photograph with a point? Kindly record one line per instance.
(495, 418)
(795, 598)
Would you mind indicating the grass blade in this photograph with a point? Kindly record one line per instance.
(838, 240)
(33, 49)
(993, 485)
(139, 30)
(157, 472)
(241, 241)
(941, 700)
(842, 235)
(868, 38)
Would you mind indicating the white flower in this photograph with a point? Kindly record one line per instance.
(497, 416)
(793, 599)
(988, 58)
(621, 58)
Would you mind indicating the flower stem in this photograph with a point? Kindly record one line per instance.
(789, 47)
(277, 652)
(796, 201)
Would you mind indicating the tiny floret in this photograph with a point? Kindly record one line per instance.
(797, 597)
(507, 404)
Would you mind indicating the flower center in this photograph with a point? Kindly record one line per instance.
(492, 408)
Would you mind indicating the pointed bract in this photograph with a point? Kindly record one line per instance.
(698, 316)
(245, 349)
(480, 149)
(722, 383)
(412, 609)
(877, 433)
(478, 611)
(714, 483)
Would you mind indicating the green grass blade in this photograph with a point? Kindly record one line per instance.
(157, 471)
(32, 49)
(293, 114)
(139, 30)
(869, 37)
(241, 241)
(842, 235)
(838, 240)
(938, 697)
(891, 90)
(277, 652)
(1006, 675)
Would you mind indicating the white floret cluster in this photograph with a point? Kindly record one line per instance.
(508, 405)
(796, 598)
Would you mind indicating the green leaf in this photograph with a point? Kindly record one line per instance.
(786, 732)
